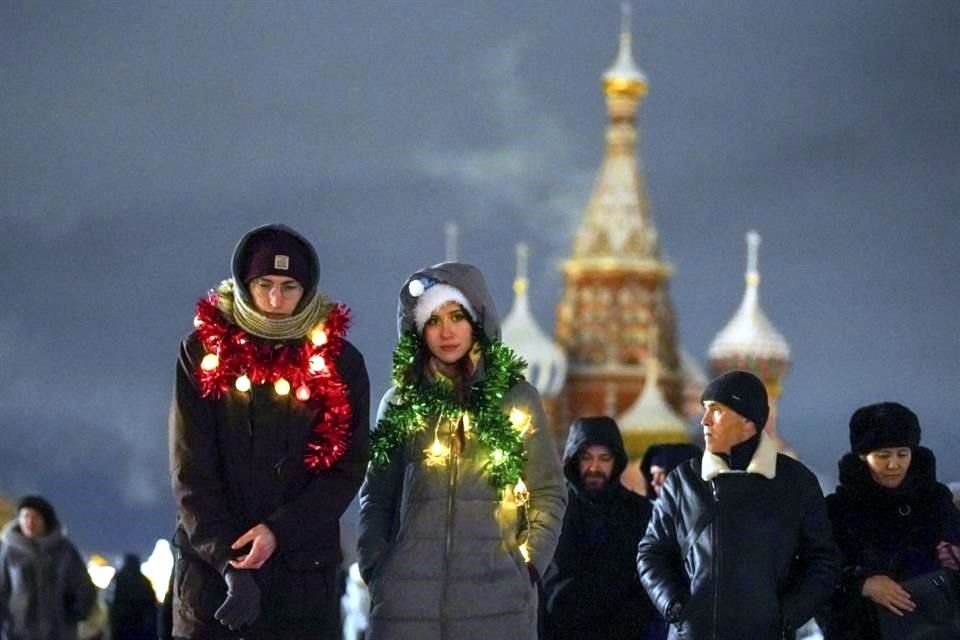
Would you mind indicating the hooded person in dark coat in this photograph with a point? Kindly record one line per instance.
(268, 443)
(45, 590)
(591, 587)
(891, 518)
(660, 459)
(739, 544)
(132, 603)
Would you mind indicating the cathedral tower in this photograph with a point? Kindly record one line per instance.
(616, 312)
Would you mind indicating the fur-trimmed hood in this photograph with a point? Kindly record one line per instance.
(11, 536)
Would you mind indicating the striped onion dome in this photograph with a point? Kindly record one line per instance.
(546, 361)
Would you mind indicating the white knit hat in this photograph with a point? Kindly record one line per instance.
(435, 297)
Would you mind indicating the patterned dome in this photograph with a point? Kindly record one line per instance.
(546, 362)
(750, 341)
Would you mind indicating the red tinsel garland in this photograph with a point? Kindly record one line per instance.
(321, 387)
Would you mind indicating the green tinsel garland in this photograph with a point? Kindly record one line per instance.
(492, 427)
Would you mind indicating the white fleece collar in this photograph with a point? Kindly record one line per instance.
(764, 461)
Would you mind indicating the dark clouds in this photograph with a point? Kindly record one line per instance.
(139, 141)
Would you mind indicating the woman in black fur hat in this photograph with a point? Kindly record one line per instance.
(891, 518)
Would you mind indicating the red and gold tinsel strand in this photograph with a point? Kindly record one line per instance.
(308, 367)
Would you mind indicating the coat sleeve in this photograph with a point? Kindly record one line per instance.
(80, 594)
(195, 468)
(543, 478)
(379, 498)
(816, 565)
(329, 492)
(658, 554)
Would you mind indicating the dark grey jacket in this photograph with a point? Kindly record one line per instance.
(438, 545)
(44, 587)
(731, 555)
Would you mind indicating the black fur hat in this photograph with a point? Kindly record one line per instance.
(882, 425)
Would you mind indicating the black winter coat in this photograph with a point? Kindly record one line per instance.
(592, 589)
(237, 462)
(764, 561)
(133, 605)
(892, 532)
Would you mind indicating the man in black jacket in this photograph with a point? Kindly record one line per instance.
(591, 587)
(739, 545)
(268, 445)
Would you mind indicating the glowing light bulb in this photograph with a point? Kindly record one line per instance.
(520, 419)
(525, 552)
(319, 335)
(281, 386)
(210, 362)
(242, 383)
(466, 421)
(317, 364)
(197, 322)
(303, 393)
(497, 456)
(436, 454)
(520, 494)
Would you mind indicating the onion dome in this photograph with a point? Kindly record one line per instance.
(650, 419)
(546, 362)
(749, 341)
(624, 77)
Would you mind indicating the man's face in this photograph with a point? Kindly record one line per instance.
(724, 428)
(275, 296)
(595, 464)
(657, 476)
(32, 523)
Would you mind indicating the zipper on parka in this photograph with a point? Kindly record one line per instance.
(453, 469)
(716, 560)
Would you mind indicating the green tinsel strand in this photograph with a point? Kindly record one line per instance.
(404, 419)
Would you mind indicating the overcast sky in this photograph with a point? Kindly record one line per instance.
(139, 141)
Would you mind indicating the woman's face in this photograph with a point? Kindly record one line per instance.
(448, 333)
(32, 523)
(888, 466)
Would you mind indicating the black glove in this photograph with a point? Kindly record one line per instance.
(242, 604)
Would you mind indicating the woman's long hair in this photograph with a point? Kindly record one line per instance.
(463, 367)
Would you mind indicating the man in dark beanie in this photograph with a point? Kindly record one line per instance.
(45, 590)
(268, 446)
(591, 588)
(739, 544)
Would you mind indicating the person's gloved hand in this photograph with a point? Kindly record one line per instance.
(242, 604)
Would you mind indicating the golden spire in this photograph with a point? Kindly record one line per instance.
(618, 232)
(624, 78)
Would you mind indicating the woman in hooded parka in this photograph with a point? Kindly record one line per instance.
(892, 521)
(463, 501)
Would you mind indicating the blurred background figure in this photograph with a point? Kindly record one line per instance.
(44, 586)
(132, 603)
(661, 459)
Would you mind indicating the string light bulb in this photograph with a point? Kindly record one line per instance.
(197, 322)
(317, 364)
(210, 362)
(242, 384)
(520, 419)
(319, 335)
(281, 386)
(303, 393)
(437, 453)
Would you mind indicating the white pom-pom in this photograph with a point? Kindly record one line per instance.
(415, 288)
